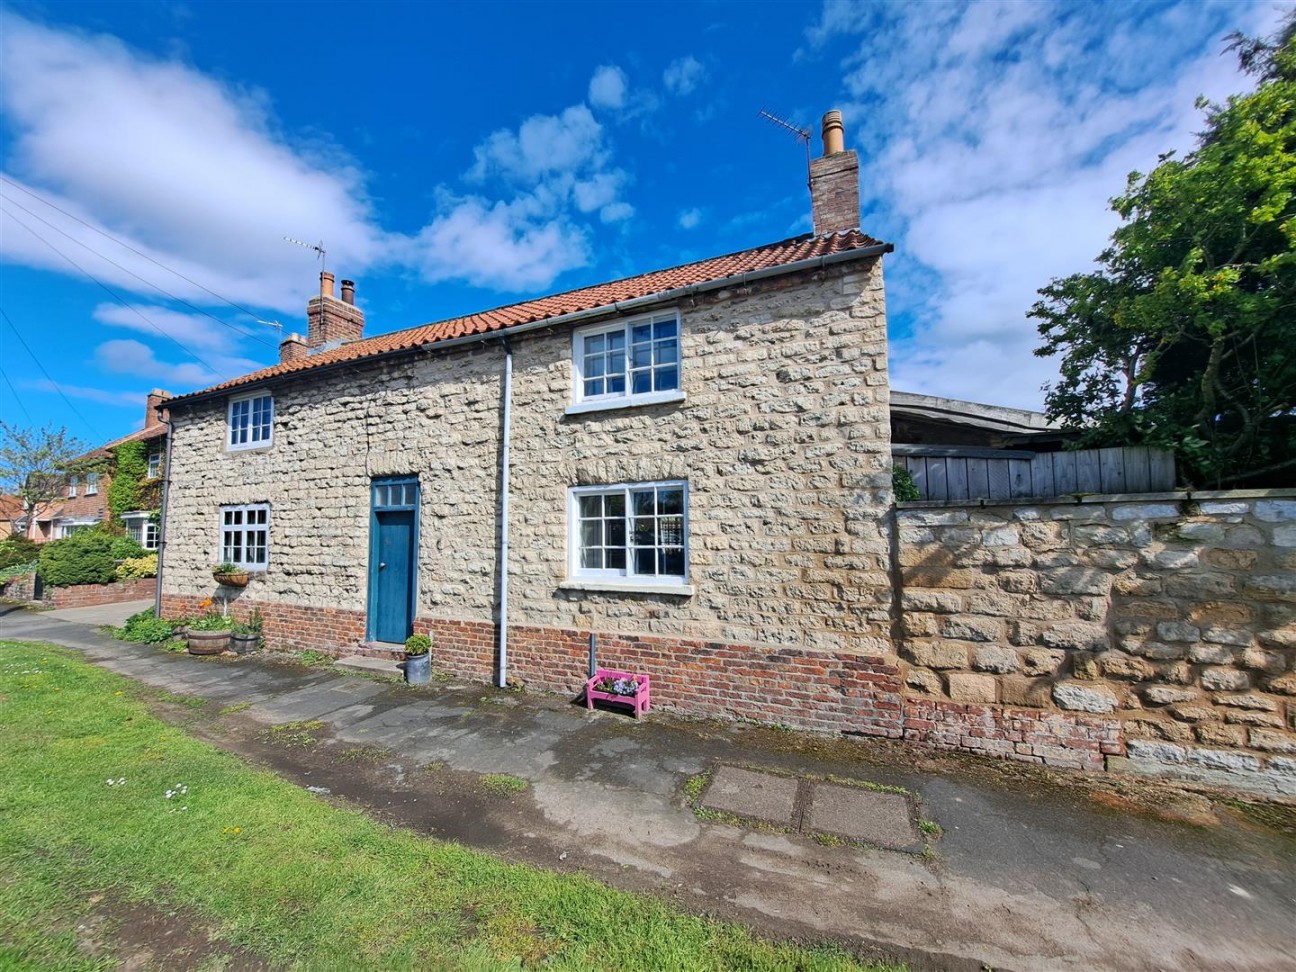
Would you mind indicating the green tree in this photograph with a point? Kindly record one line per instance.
(1186, 335)
(35, 465)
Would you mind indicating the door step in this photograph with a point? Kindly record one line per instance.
(371, 665)
(381, 649)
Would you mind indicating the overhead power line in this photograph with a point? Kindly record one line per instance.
(149, 283)
(57, 387)
(117, 297)
(17, 397)
(123, 243)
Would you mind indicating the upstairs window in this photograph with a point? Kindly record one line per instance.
(92, 484)
(154, 465)
(72, 486)
(251, 421)
(245, 536)
(633, 531)
(630, 362)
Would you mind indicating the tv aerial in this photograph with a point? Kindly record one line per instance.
(800, 133)
(318, 248)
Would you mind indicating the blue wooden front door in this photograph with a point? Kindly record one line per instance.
(392, 558)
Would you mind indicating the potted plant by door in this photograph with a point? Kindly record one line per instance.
(418, 659)
(230, 575)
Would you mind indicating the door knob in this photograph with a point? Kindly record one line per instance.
(382, 566)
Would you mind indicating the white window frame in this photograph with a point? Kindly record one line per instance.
(581, 402)
(253, 437)
(92, 484)
(626, 579)
(155, 460)
(141, 522)
(64, 527)
(72, 487)
(227, 552)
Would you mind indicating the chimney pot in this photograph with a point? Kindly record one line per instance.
(834, 138)
(326, 283)
(348, 291)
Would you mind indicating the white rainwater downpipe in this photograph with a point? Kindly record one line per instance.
(504, 515)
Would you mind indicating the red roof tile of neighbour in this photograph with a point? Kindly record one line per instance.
(154, 430)
(586, 298)
(11, 508)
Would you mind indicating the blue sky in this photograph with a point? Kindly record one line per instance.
(454, 157)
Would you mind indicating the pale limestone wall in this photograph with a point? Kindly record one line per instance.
(783, 438)
(784, 441)
(436, 416)
(1175, 613)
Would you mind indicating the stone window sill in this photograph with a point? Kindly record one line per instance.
(626, 587)
(606, 405)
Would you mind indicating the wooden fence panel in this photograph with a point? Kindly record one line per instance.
(946, 475)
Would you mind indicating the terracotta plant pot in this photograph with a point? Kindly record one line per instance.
(208, 642)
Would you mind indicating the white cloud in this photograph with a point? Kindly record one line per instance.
(990, 151)
(193, 330)
(102, 396)
(682, 76)
(196, 174)
(127, 357)
(607, 88)
(690, 218)
(499, 245)
(177, 165)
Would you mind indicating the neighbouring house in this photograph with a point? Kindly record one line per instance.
(86, 493)
(11, 515)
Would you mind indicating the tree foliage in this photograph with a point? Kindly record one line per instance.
(35, 464)
(1186, 335)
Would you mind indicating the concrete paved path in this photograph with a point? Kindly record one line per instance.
(1028, 875)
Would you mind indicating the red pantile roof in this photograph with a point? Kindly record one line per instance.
(767, 257)
(154, 430)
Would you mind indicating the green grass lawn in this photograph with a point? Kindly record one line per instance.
(275, 870)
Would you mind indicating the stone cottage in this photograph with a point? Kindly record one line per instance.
(690, 466)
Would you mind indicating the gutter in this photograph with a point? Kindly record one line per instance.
(603, 310)
(162, 517)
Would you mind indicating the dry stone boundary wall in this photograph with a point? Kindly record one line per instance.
(1173, 614)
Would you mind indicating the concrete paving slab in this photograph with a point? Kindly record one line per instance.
(884, 819)
(315, 701)
(747, 793)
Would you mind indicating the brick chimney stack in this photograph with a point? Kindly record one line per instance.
(155, 399)
(332, 321)
(834, 182)
(291, 348)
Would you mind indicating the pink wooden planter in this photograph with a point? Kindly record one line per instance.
(641, 701)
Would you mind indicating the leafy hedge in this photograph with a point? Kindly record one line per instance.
(17, 549)
(134, 568)
(16, 570)
(84, 558)
(124, 548)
